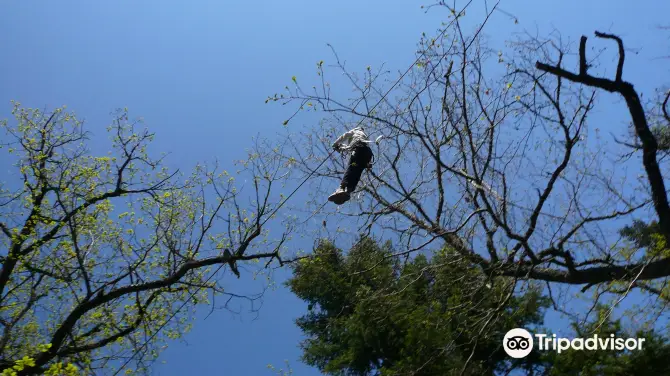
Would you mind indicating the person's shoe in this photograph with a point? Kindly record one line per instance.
(339, 197)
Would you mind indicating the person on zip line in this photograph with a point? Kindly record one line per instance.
(356, 142)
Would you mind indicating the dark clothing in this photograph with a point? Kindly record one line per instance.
(359, 161)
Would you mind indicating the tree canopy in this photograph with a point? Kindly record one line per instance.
(375, 312)
(370, 311)
(106, 255)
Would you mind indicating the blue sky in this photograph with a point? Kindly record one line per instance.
(199, 72)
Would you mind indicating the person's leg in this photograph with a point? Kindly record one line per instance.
(357, 164)
(359, 161)
(349, 174)
(343, 194)
(354, 172)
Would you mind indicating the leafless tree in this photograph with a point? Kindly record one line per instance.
(501, 156)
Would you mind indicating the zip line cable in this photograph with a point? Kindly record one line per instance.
(289, 196)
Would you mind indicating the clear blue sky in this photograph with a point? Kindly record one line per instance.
(199, 72)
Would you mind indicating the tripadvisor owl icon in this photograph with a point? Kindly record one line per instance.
(518, 343)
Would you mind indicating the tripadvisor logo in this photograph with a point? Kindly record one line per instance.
(518, 343)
